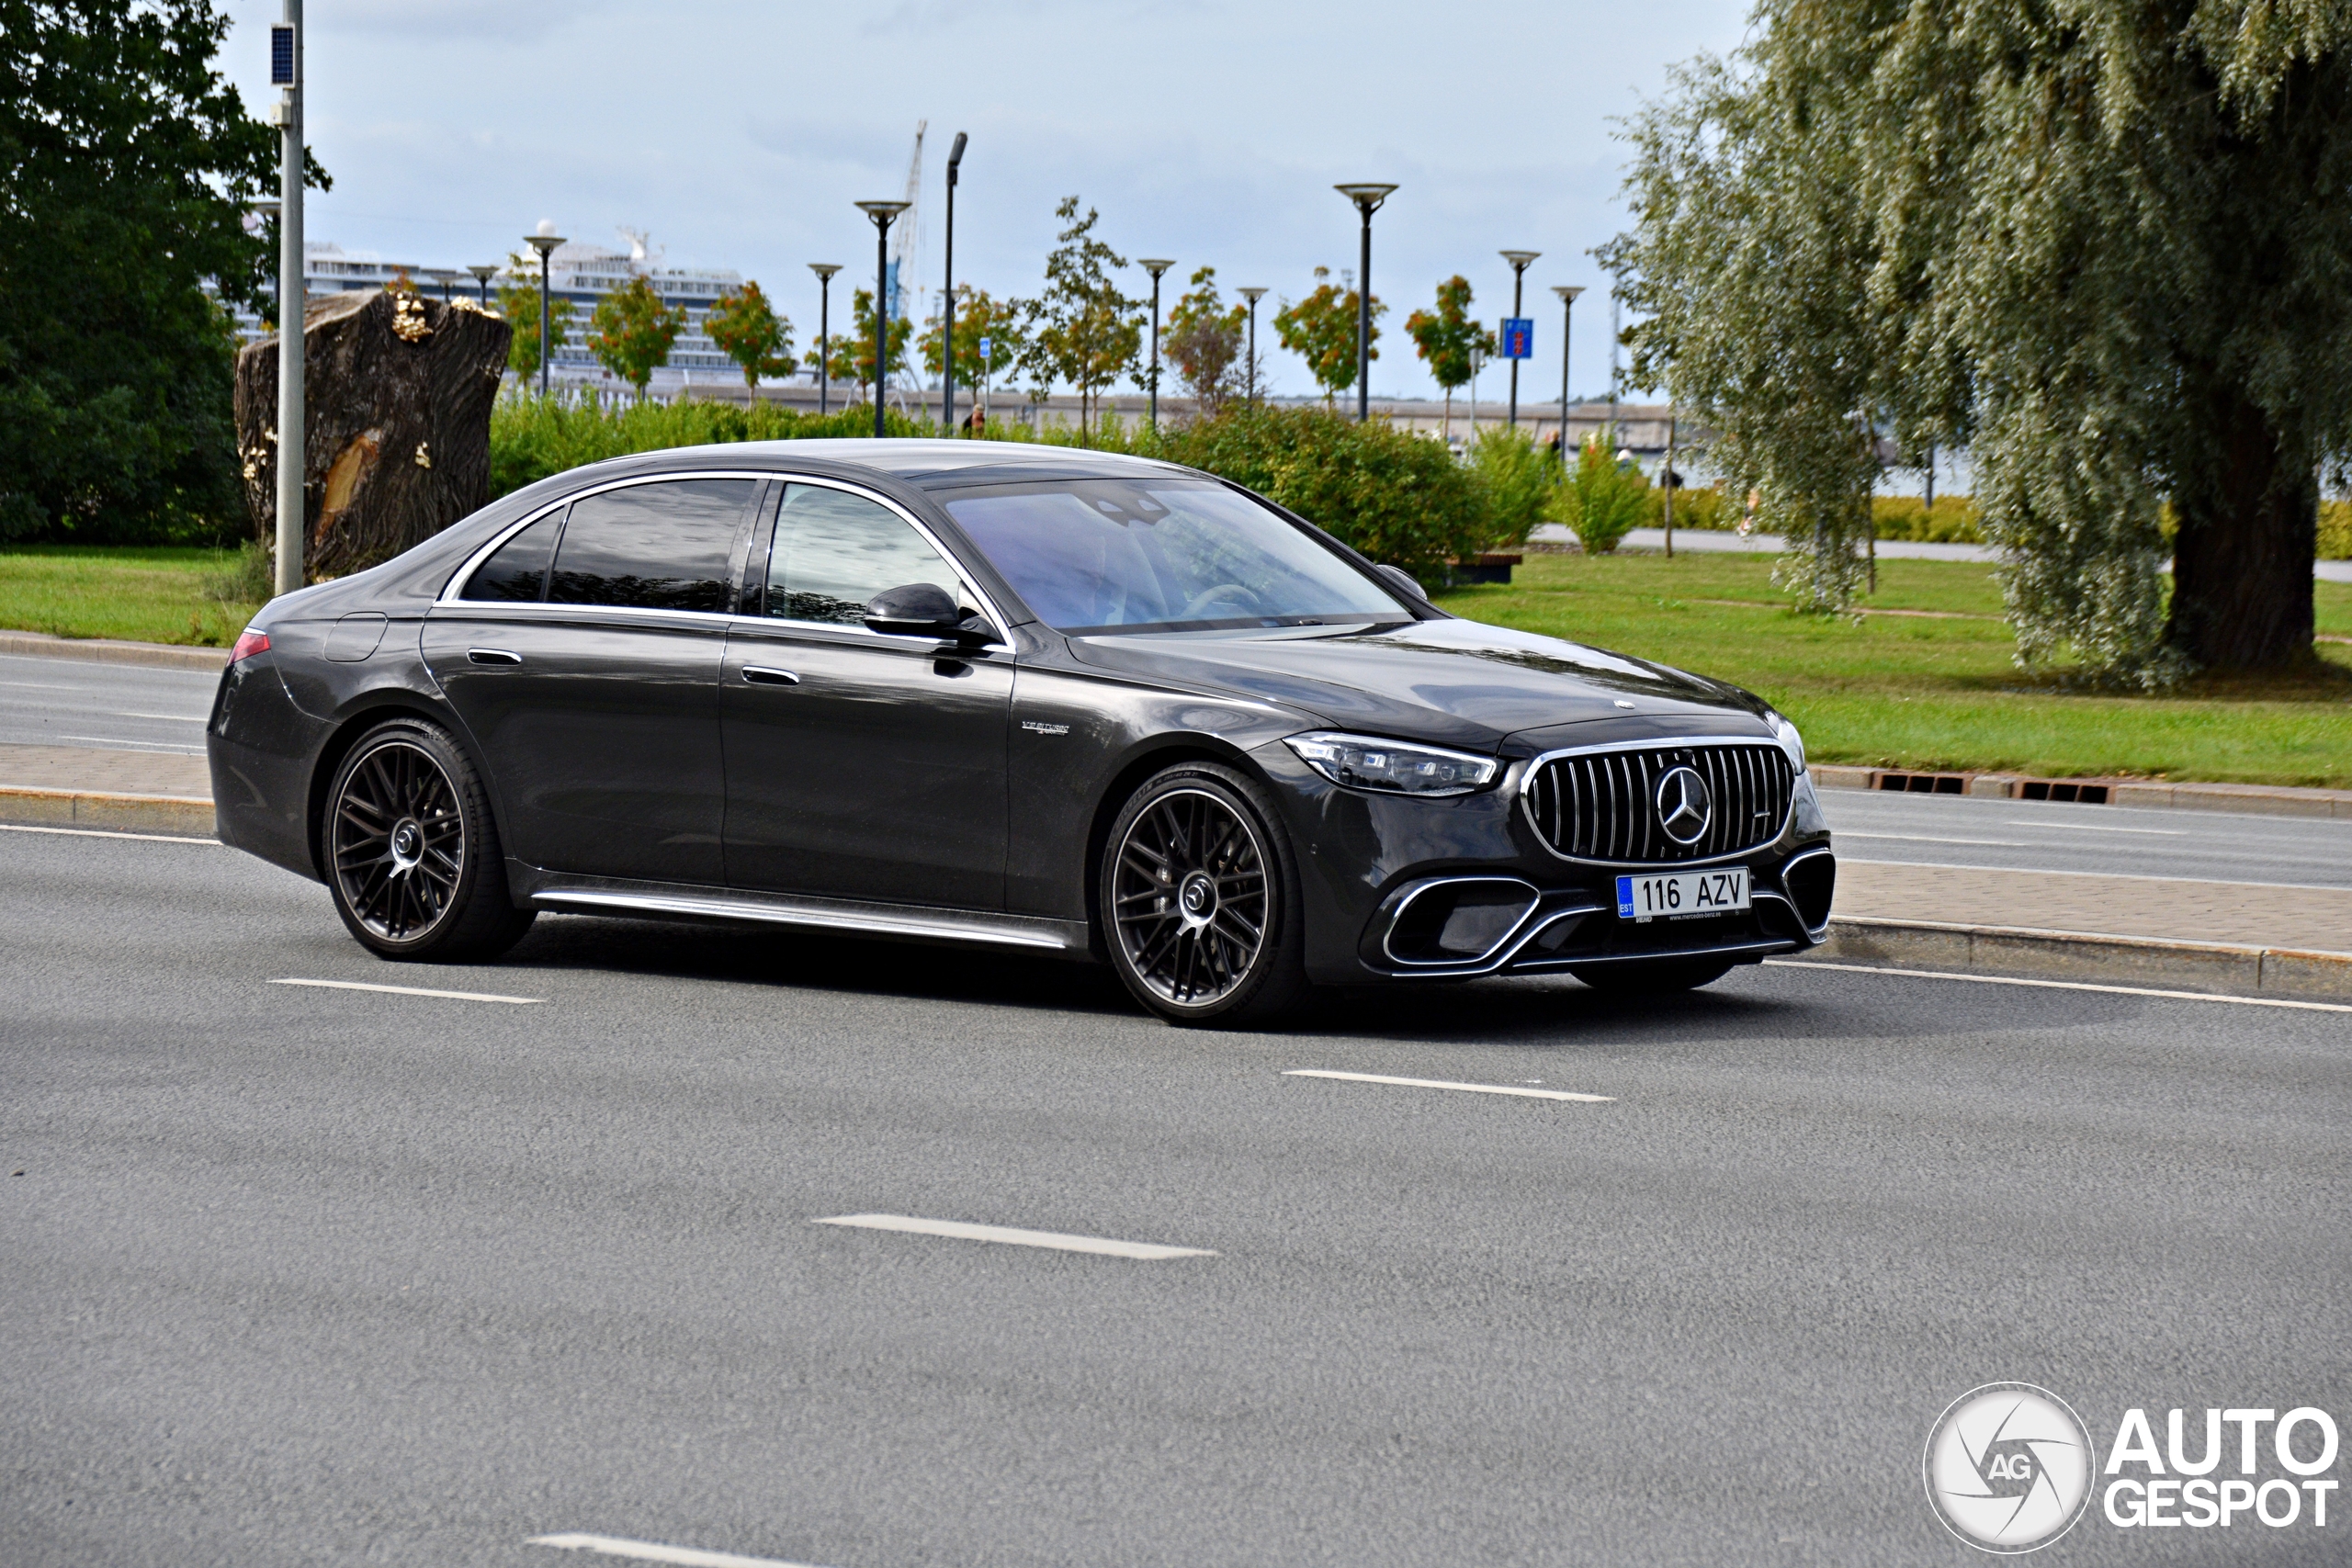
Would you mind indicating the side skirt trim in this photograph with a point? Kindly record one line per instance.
(826, 914)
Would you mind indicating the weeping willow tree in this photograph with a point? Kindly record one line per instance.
(2106, 246)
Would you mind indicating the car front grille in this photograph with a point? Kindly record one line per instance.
(1603, 806)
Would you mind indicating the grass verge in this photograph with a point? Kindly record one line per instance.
(1924, 677)
(142, 594)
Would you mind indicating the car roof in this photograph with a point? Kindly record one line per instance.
(921, 462)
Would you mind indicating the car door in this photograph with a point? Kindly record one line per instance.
(859, 765)
(583, 656)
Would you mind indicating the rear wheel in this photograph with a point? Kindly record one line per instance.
(1656, 976)
(1200, 900)
(413, 856)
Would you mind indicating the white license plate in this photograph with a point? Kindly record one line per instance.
(1641, 899)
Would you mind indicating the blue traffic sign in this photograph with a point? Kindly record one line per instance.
(1518, 337)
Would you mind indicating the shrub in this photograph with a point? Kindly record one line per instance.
(1398, 498)
(2335, 530)
(1600, 501)
(1706, 510)
(1954, 520)
(1513, 479)
(532, 437)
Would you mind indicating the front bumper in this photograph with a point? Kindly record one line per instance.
(1401, 890)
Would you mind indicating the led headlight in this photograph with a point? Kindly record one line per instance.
(1791, 741)
(1392, 767)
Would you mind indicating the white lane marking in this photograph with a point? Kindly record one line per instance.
(120, 744)
(2093, 827)
(412, 991)
(654, 1551)
(41, 685)
(2111, 875)
(95, 833)
(2063, 985)
(1149, 1251)
(1441, 1083)
(174, 717)
(1932, 839)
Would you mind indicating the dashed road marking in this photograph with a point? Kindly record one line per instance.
(1442, 1083)
(98, 833)
(413, 991)
(654, 1551)
(2062, 985)
(1007, 1235)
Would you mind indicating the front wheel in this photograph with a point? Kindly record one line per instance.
(1658, 977)
(1200, 900)
(413, 856)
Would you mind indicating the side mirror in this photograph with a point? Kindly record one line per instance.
(924, 609)
(1398, 578)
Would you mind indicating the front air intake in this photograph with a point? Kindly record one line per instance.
(1606, 805)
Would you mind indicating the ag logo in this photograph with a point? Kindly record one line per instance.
(1685, 804)
(2009, 1467)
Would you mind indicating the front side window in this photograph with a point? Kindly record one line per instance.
(1161, 555)
(833, 551)
(665, 546)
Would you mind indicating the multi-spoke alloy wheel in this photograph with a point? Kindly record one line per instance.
(1194, 900)
(411, 854)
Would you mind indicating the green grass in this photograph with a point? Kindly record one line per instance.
(139, 592)
(1938, 690)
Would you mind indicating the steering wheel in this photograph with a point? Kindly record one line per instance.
(1223, 591)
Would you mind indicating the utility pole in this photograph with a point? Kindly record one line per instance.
(947, 311)
(286, 74)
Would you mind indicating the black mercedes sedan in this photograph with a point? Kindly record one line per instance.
(1056, 700)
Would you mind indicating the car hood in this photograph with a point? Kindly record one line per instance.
(1449, 682)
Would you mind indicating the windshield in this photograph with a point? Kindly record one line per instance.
(1161, 555)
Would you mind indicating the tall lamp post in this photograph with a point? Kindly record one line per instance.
(483, 273)
(882, 212)
(824, 271)
(286, 74)
(1158, 267)
(948, 308)
(1518, 260)
(1253, 296)
(544, 241)
(1567, 293)
(1367, 198)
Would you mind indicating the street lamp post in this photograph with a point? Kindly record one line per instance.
(1156, 266)
(544, 241)
(882, 212)
(1367, 198)
(286, 74)
(1518, 260)
(1567, 293)
(824, 271)
(1253, 296)
(948, 308)
(444, 277)
(483, 273)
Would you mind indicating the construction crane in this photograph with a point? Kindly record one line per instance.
(906, 253)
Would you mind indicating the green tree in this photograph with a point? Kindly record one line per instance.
(518, 301)
(127, 163)
(632, 330)
(979, 314)
(850, 358)
(749, 332)
(2101, 245)
(1447, 337)
(1321, 329)
(1082, 329)
(1204, 341)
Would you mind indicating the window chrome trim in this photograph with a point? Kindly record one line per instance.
(997, 619)
(1668, 743)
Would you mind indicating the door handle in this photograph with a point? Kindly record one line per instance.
(493, 656)
(761, 676)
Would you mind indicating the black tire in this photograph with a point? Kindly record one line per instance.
(410, 854)
(1656, 977)
(1200, 902)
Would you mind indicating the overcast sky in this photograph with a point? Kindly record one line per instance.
(1208, 131)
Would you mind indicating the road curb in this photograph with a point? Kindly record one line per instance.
(174, 814)
(2022, 950)
(157, 655)
(2257, 800)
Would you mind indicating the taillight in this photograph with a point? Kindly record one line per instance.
(249, 643)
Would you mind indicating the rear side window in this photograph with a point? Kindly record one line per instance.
(655, 547)
(833, 551)
(519, 571)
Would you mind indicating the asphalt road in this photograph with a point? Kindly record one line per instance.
(303, 1276)
(113, 707)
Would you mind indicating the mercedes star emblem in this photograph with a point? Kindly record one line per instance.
(1685, 805)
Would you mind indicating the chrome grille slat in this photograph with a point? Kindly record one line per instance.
(1598, 805)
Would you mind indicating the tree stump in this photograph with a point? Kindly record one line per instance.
(398, 391)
